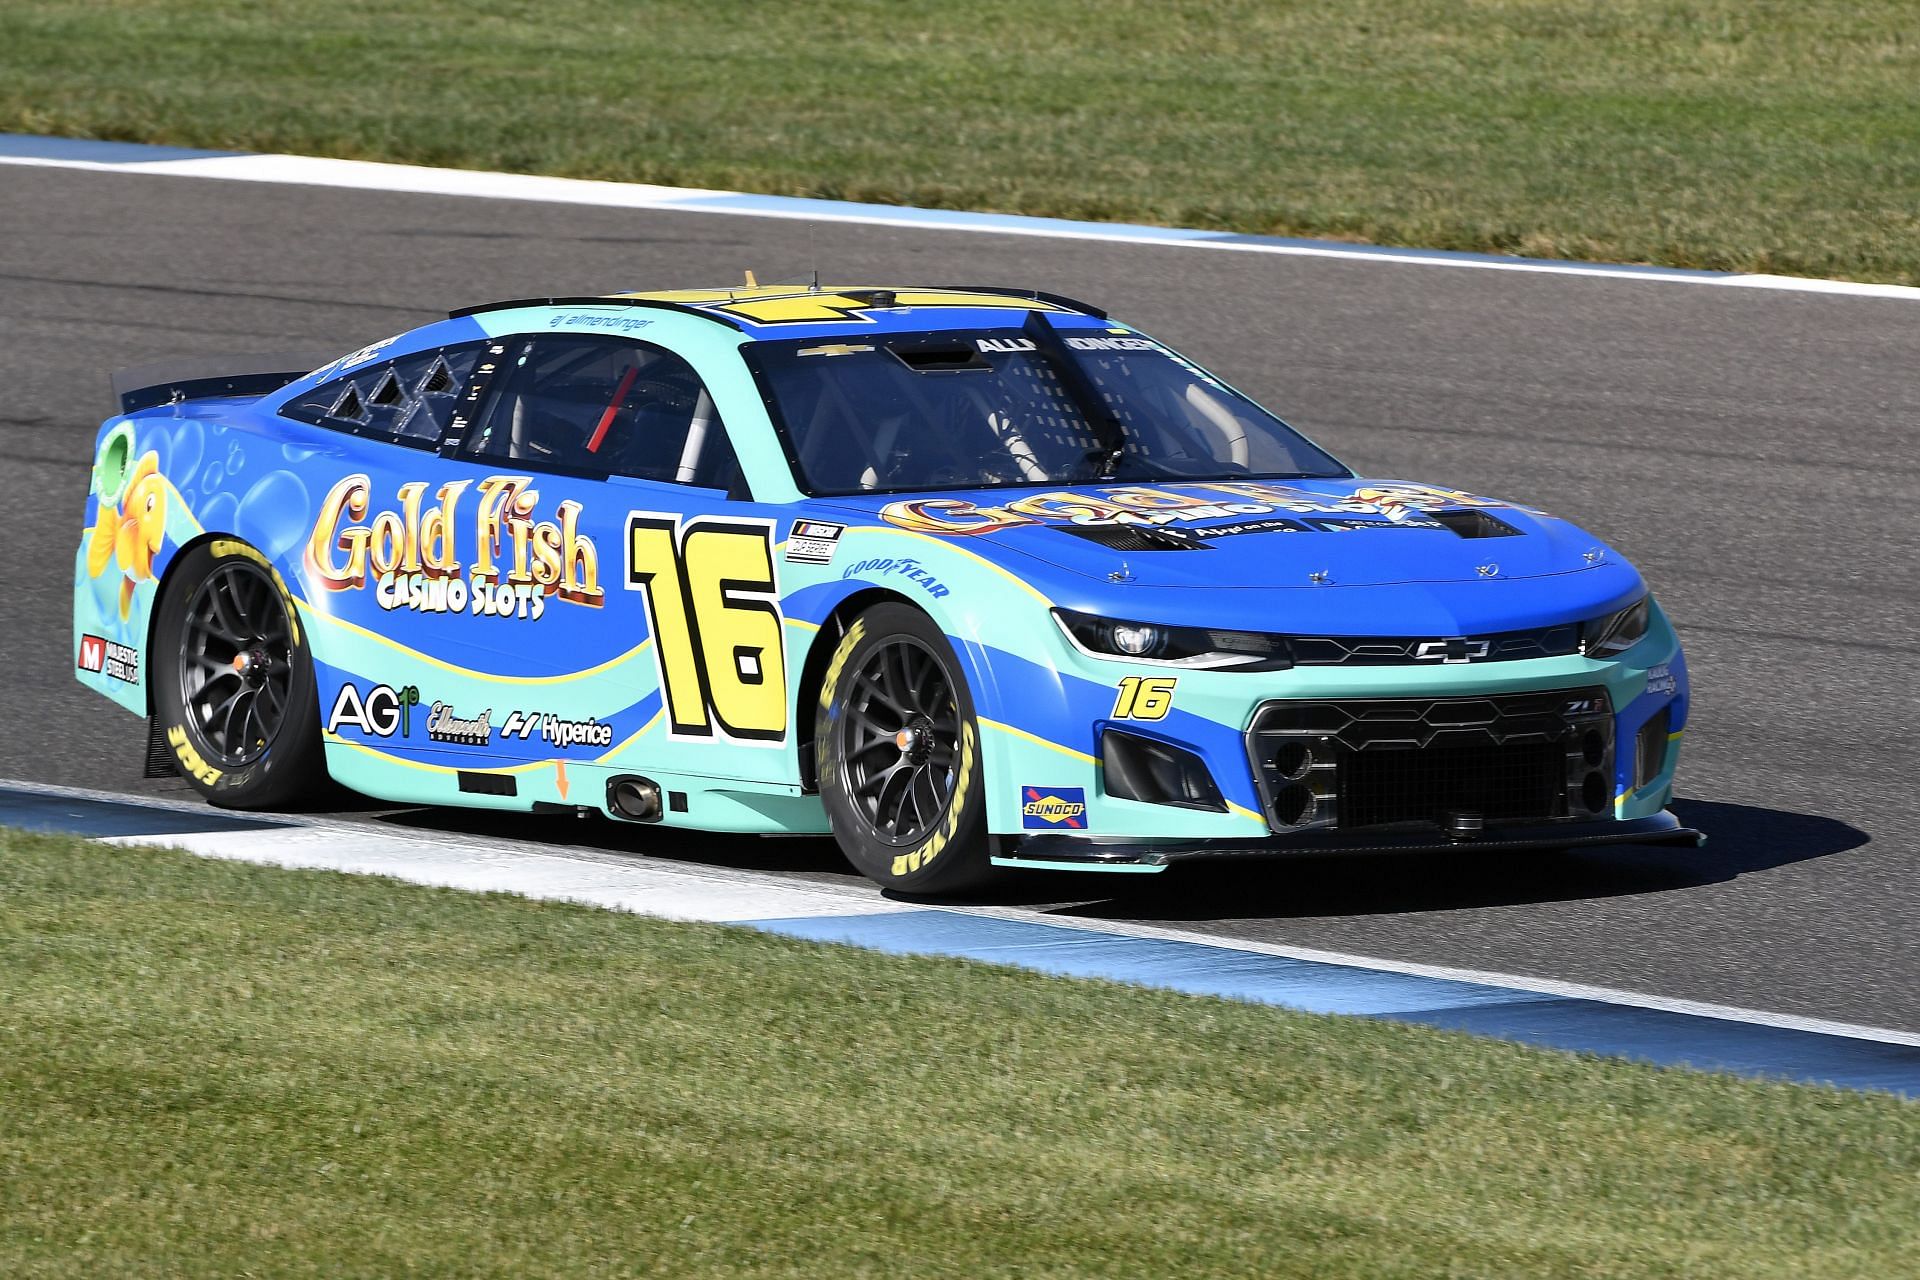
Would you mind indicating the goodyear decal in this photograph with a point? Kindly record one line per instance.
(1053, 808)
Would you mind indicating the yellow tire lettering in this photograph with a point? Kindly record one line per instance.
(190, 759)
(713, 609)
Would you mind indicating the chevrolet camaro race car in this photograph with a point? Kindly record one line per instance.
(968, 578)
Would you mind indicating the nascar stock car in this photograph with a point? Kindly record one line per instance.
(969, 578)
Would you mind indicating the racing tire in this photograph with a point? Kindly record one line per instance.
(233, 693)
(899, 756)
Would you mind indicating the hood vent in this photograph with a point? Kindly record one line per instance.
(1475, 523)
(1136, 537)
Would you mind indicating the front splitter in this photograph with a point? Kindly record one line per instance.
(1119, 853)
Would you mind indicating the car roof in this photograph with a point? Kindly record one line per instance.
(764, 312)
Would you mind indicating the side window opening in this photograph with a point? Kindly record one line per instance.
(606, 406)
(409, 400)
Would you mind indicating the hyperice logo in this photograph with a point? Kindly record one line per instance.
(1053, 808)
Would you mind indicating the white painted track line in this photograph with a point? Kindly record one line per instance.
(363, 175)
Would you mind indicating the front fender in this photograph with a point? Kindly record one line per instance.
(1041, 710)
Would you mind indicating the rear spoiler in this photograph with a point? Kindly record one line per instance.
(147, 385)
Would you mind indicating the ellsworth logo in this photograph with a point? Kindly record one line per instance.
(1053, 808)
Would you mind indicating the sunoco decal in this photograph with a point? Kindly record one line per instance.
(485, 555)
(1053, 808)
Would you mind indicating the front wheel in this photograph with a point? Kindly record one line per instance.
(899, 756)
(233, 689)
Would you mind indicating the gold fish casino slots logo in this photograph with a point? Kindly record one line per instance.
(487, 555)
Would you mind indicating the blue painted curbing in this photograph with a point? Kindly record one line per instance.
(1555, 1022)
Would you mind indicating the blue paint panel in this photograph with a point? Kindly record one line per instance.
(32, 811)
(29, 146)
(1554, 1022)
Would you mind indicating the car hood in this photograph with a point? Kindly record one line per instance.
(1269, 534)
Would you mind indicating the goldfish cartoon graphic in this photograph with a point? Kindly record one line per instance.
(128, 532)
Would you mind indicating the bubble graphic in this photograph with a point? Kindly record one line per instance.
(161, 443)
(295, 453)
(211, 480)
(235, 459)
(187, 449)
(217, 513)
(276, 512)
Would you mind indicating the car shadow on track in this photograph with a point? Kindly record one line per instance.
(1741, 840)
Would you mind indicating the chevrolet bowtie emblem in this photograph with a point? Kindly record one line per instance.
(1451, 650)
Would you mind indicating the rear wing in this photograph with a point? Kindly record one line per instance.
(172, 381)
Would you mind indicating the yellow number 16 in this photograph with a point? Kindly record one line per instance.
(714, 611)
(1145, 698)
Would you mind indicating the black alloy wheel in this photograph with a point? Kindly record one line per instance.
(900, 769)
(233, 685)
(236, 662)
(900, 740)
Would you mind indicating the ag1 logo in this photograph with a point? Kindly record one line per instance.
(380, 713)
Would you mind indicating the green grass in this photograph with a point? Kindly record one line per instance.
(211, 1068)
(1758, 135)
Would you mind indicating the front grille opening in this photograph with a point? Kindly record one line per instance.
(1500, 783)
(1155, 773)
(1458, 765)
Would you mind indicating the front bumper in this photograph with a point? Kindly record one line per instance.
(1110, 853)
(1052, 773)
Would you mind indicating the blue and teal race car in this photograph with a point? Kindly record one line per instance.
(969, 578)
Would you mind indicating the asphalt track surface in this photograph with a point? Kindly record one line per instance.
(1754, 452)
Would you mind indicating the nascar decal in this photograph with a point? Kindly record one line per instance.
(813, 541)
(487, 556)
(1053, 808)
(713, 610)
(1403, 505)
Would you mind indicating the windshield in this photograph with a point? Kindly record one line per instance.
(981, 409)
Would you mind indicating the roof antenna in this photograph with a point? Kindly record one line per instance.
(813, 255)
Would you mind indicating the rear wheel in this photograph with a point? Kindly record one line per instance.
(233, 689)
(899, 756)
